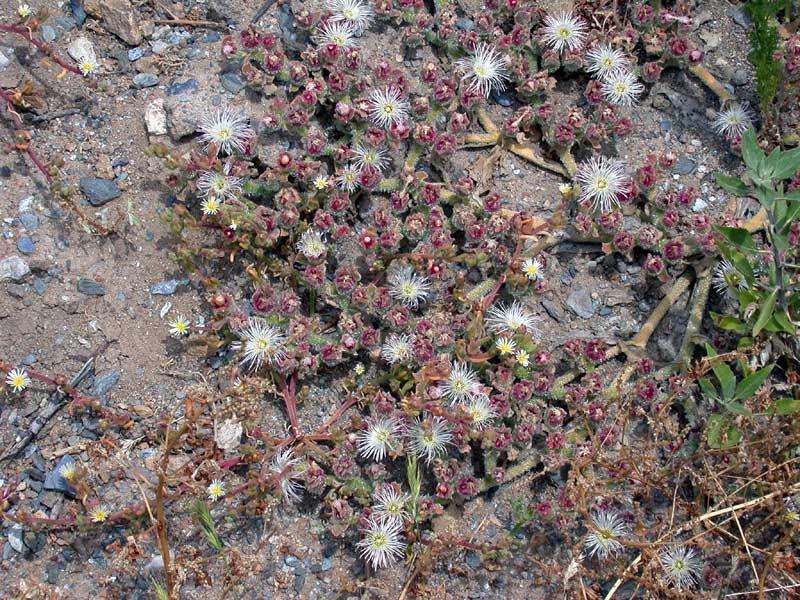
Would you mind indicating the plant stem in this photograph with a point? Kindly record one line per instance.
(776, 255)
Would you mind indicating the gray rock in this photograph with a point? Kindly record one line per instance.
(165, 288)
(135, 54)
(473, 560)
(55, 482)
(119, 17)
(553, 310)
(29, 221)
(232, 83)
(13, 268)
(158, 47)
(99, 191)
(741, 17)
(39, 285)
(48, 34)
(580, 302)
(740, 77)
(25, 245)
(104, 383)
(181, 87)
(15, 536)
(145, 80)
(465, 24)
(66, 22)
(684, 166)
(77, 11)
(90, 287)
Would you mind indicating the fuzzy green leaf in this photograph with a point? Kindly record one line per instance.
(785, 164)
(722, 434)
(750, 384)
(765, 313)
(726, 379)
(751, 152)
(732, 185)
(786, 406)
(737, 236)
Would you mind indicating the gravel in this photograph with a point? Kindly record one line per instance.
(99, 191)
(13, 268)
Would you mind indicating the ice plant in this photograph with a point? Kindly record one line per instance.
(227, 131)
(602, 181)
(24, 11)
(564, 30)
(428, 438)
(603, 60)
(370, 157)
(215, 490)
(682, 566)
(18, 379)
(380, 436)
(622, 87)
(340, 34)
(484, 70)
(397, 349)
(502, 318)
(505, 345)
(219, 185)
(391, 503)
(387, 107)
(603, 539)
(99, 513)
(733, 121)
(408, 287)
(179, 327)
(87, 65)
(479, 410)
(460, 383)
(312, 244)
(381, 544)
(261, 343)
(210, 206)
(355, 13)
(68, 471)
(532, 268)
(348, 178)
(523, 357)
(282, 466)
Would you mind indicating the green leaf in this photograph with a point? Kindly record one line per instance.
(751, 152)
(729, 323)
(726, 379)
(738, 408)
(786, 406)
(750, 384)
(732, 185)
(722, 434)
(737, 236)
(784, 322)
(765, 313)
(790, 217)
(709, 391)
(785, 164)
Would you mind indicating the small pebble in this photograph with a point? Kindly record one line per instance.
(145, 80)
(25, 245)
(135, 54)
(90, 287)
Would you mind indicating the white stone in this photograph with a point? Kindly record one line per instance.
(155, 117)
(82, 49)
